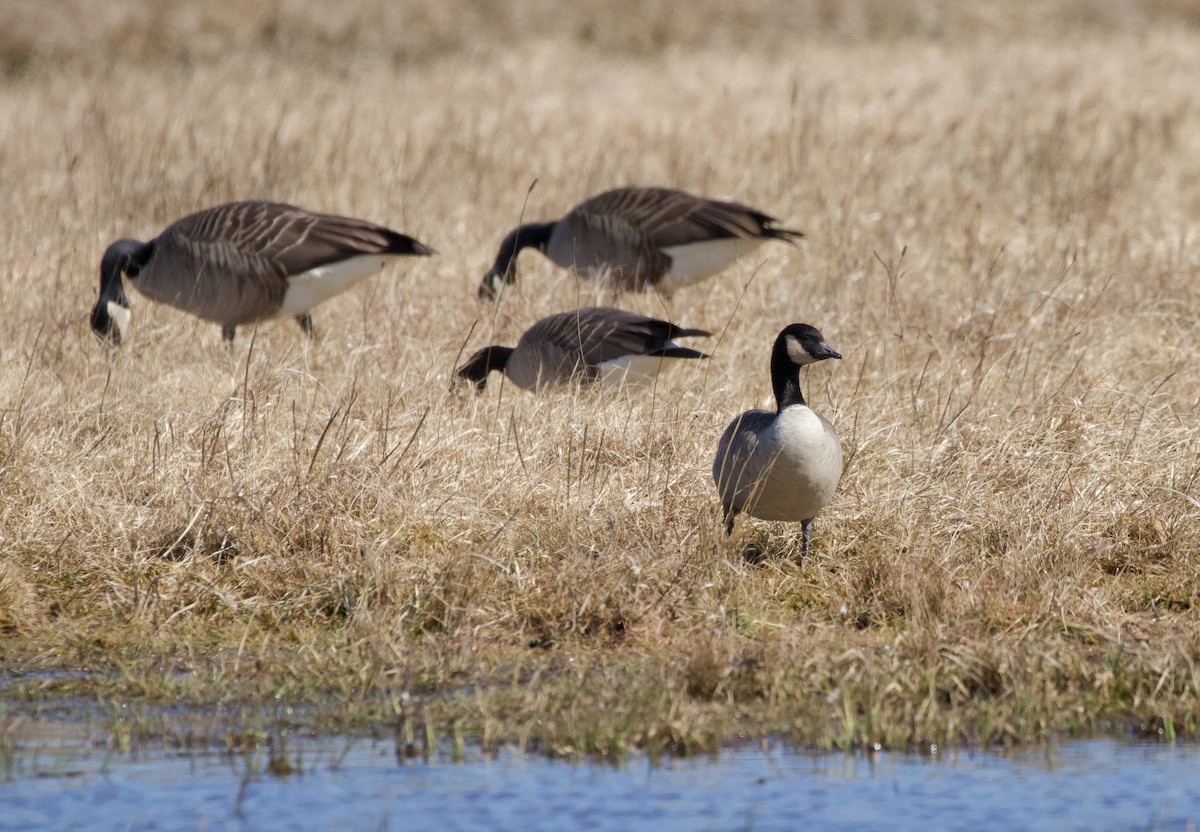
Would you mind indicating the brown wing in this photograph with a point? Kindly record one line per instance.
(667, 217)
(740, 462)
(594, 335)
(261, 237)
(596, 244)
(201, 265)
(231, 263)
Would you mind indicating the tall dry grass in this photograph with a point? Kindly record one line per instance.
(1001, 205)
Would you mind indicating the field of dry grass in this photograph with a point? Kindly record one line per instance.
(1003, 217)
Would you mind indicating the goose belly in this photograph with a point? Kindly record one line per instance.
(784, 469)
(634, 370)
(310, 288)
(694, 262)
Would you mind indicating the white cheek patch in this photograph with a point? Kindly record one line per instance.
(797, 353)
(120, 315)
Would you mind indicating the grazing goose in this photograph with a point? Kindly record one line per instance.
(639, 237)
(597, 344)
(783, 465)
(245, 262)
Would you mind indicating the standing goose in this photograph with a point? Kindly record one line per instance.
(783, 465)
(245, 262)
(640, 237)
(597, 344)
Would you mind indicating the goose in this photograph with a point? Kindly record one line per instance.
(597, 344)
(783, 465)
(245, 262)
(640, 237)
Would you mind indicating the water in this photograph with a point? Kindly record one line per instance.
(363, 785)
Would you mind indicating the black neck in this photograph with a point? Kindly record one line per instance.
(122, 257)
(112, 287)
(531, 235)
(497, 357)
(483, 362)
(785, 377)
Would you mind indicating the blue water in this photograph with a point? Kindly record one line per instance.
(363, 785)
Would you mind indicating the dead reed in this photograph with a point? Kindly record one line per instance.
(1002, 213)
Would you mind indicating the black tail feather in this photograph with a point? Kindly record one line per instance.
(398, 243)
(677, 352)
(680, 332)
(788, 235)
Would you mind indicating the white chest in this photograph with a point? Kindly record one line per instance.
(799, 433)
(785, 470)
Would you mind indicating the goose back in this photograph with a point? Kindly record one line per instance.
(578, 344)
(635, 236)
(234, 263)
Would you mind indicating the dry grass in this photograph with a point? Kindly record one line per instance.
(1002, 209)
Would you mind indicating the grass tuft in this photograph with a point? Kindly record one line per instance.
(1001, 215)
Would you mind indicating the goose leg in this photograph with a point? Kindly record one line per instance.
(805, 536)
(227, 332)
(306, 323)
(730, 516)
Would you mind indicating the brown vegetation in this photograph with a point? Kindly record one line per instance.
(1002, 207)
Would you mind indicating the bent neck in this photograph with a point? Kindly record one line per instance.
(531, 235)
(785, 378)
(496, 358)
(123, 256)
(483, 362)
(110, 315)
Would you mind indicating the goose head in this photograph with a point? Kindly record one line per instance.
(798, 345)
(111, 314)
(504, 270)
(805, 345)
(489, 287)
